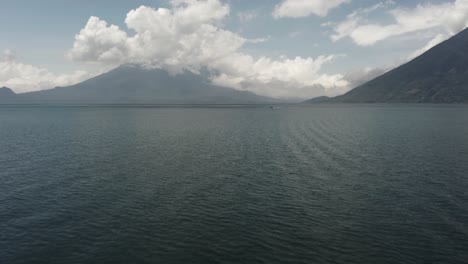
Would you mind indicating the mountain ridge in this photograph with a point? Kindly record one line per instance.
(130, 84)
(440, 75)
(6, 92)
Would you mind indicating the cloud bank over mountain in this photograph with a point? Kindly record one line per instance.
(189, 35)
(26, 77)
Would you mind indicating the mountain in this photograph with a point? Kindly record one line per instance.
(440, 75)
(6, 92)
(135, 85)
(316, 100)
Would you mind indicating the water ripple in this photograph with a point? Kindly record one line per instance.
(361, 184)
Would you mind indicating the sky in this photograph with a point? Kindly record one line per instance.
(278, 48)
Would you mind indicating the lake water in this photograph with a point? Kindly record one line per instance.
(319, 184)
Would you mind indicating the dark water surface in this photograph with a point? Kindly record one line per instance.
(323, 184)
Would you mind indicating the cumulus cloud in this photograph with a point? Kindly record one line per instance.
(285, 78)
(166, 38)
(189, 35)
(303, 8)
(450, 17)
(21, 77)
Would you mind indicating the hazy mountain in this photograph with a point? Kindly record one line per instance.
(440, 75)
(6, 92)
(315, 100)
(136, 85)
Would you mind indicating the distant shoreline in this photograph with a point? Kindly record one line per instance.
(277, 105)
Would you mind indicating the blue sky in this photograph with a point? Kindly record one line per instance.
(290, 48)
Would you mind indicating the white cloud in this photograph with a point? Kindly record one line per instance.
(449, 17)
(189, 36)
(21, 77)
(285, 78)
(370, 9)
(295, 34)
(361, 76)
(247, 16)
(184, 36)
(99, 42)
(258, 40)
(303, 8)
(433, 42)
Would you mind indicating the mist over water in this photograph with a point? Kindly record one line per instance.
(319, 184)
